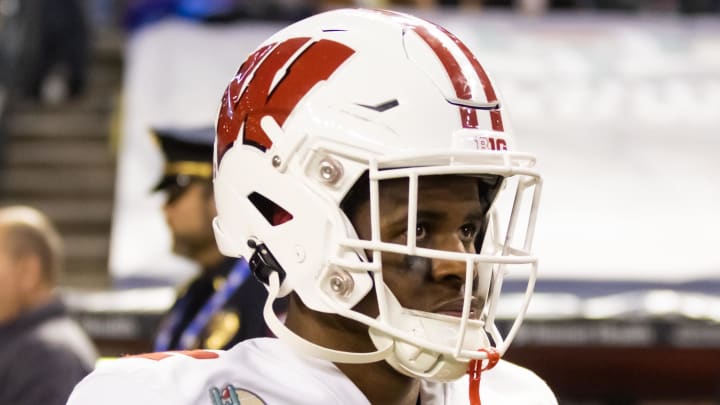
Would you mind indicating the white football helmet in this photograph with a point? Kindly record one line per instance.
(353, 92)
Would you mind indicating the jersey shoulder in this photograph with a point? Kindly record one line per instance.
(262, 370)
(518, 385)
(151, 378)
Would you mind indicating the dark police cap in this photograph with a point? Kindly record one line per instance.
(188, 155)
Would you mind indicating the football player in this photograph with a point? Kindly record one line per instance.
(365, 167)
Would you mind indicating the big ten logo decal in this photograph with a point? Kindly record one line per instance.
(267, 93)
(484, 143)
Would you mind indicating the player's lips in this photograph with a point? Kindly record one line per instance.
(455, 307)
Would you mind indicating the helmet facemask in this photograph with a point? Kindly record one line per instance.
(428, 341)
(418, 343)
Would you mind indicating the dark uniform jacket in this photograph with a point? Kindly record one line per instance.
(43, 354)
(238, 318)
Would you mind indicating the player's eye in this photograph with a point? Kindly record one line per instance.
(420, 231)
(467, 232)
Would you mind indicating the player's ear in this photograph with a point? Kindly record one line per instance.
(30, 271)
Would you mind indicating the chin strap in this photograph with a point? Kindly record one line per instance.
(475, 368)
(306, 347)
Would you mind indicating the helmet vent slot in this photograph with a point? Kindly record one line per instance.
(273, 213)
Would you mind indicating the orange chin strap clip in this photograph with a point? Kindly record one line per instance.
(475, 368)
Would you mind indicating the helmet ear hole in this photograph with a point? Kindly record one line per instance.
(358, 193)
(488, 188)
(273, 213)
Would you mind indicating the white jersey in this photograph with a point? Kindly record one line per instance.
(266, 371)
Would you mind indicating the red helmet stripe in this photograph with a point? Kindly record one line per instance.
(495, 116)
(245, 106)
(316, 63)
(468, 116)
(228, 125)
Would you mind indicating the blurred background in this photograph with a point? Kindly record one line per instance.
(620, 100)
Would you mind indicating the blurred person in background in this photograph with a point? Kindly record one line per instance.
(43, 352)
(56, 50)
(222, 305)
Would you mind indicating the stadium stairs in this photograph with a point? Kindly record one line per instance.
(59, 158)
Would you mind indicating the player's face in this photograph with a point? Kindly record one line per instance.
(449, 217)
(189, 215)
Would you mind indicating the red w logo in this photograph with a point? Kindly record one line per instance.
(244, 106)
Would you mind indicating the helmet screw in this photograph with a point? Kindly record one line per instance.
(330, 170)
(276, 161)
(341, 283)
(299, 254)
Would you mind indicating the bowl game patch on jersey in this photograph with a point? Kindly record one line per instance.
(234, 396)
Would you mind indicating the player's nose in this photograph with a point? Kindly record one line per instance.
(450, 270)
